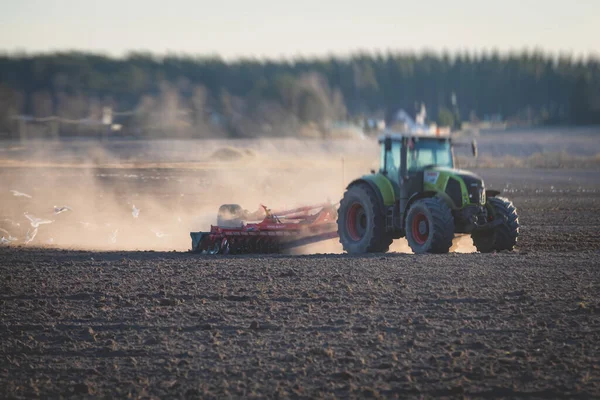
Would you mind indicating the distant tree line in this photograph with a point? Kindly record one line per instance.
(182, 96)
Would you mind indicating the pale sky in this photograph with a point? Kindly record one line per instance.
(279, 28)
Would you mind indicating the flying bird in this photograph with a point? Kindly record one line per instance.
(135, 211)
(113, 237)
(30, 236)
(9, 237)
(61, 209)
(159, 234)
(88, 225)
(36, 222)
(16, 193)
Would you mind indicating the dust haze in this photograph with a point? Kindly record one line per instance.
(149, 194)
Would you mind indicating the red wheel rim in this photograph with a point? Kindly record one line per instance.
(420, 228)
(356, 222)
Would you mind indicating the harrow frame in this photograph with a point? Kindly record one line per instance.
(276, 232)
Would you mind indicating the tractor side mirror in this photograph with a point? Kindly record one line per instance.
(474, 148)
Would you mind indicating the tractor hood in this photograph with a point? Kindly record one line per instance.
(463, 187)
(431, 174)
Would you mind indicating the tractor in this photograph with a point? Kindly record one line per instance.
(419, 194)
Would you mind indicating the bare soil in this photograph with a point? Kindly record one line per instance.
(151, 324)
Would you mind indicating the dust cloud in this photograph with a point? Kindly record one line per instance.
(148, 195)
(460, 244)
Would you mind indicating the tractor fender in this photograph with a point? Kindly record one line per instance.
(491, 193)
(372, 186)
(417, 196)
(381, 186)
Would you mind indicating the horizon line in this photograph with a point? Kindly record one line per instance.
(476, 53)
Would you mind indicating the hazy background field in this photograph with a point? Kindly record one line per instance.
(536, 147)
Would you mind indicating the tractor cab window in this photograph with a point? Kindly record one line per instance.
(427, 152)
(390, 160)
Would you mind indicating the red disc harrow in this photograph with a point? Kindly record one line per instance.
(276, 232)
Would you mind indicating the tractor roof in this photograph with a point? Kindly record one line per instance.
(424, 135)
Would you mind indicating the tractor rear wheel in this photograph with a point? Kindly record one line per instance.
(504, 236)
(429, 226)
(361, 222)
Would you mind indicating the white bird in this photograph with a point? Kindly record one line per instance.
(3, 240)
(35, 222)
(30, 236)
(113, 237)
(135, 211)
(88, 225)
(159, 234)
(16, 193)
(61, 209)
(9, 237)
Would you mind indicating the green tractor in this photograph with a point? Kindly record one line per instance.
(418, 194)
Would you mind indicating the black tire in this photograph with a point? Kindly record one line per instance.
(361, 222)
(484, 241)
(230, 216)
(429, 226)
(504, 236)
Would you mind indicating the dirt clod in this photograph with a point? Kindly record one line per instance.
(254, 325)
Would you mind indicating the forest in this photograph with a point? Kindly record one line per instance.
(178, 96)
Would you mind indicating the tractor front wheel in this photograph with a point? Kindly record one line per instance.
(361, 222)
(504, 236)
(429, 226)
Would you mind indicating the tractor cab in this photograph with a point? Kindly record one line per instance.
(422, 165)
(420, 152)
(408, 155)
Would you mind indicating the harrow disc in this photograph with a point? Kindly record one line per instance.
(225, 246)
(216, 249)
